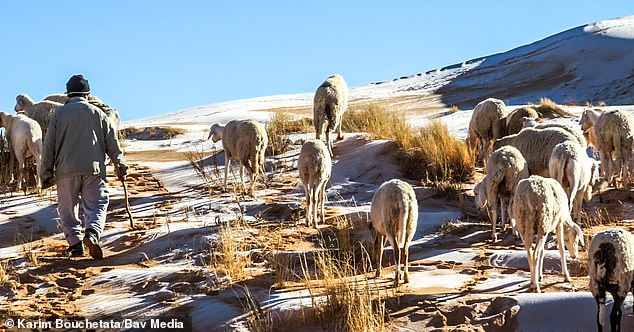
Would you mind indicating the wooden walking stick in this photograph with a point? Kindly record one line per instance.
(127, 202)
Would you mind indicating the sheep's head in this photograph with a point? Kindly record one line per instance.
(573, 236)
(480, 195)
(531, 122)
(595, 184)
(21, 102)
(215, 133)
(585, 121)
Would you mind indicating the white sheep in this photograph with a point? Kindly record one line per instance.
(579, 136)
(575, 171)
(615, 139)
(25, 139)
(40, 111)
(536, 145)
(329, 104)
(57, 97)
(515, 119)
(611, 269)
(505, 168)
(314, 166)
(540, 206)
(394, 213)
(111, 113)
(245, 141)
(488, 122)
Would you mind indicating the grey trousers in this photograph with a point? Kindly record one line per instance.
(94, 197)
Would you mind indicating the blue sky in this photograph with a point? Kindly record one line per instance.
(153, 57)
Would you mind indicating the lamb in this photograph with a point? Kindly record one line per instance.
(40, 111)
(245, 141)
(57, 97)
(25, 139)
(505, 168)
(574, 170)
(329, 104)
(611, 269)
(615, 139)
(314, 166)
(536, 145)
(487, 123)
(394, 213)
(515, 119)
(540, 207)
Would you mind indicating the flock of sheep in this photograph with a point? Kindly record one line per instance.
(25, 132)
(537, 176)
(541, 174)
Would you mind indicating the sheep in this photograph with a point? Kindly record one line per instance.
(111, 113)
(537, 124)
(588, 120)
(515, 119)
(487, 123)
(615, 138)
(40, 111)
(573, 169)
(394, 213)
(611, 269)
(314, 166)
(58, 98)
(245, 141)
(25, 139)
(504, 169)
(540, 207)
(329, 104)
(536, 145)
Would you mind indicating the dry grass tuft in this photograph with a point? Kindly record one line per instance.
(430, 153)
(5, 274)
(259, 319)
(230, 255)
(279, 126)
(549, 109)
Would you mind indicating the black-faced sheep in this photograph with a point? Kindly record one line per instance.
(25, 139)
(575, 171)
(40, 111)
(488, 122)
(505, 168)
(329, 104)
(615, 139)
(394, 214)
(611, 269)
(540, 206)
(536, 145)
(314, 166)
(245, 141)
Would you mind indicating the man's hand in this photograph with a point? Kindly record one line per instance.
(121, 172)
(47, 183)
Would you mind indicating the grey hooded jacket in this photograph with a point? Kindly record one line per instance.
(78, 138)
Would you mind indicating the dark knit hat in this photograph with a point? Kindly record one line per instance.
(77, 84)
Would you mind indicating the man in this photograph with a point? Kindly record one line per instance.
(78, 138)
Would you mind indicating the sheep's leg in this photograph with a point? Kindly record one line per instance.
(600, 299)
(530, 253)
(380, 243)
(322, 193)
(314, 201)
(254, 174)
(541, 243)
(21, 163)
(329, 142)
(227, 163)
(308, 209)
(406, 263)
(397, 258)
(339, 132)
(562, 253)
(615, 314)
(494, 218)
(243, 187)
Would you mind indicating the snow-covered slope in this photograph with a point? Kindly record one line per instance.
(593, 63)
